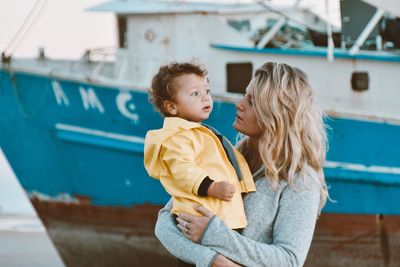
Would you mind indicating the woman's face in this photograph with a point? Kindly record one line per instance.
(246, 121)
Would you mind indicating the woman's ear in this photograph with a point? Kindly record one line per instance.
(170, 107)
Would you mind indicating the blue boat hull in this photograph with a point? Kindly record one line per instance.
(72, 144)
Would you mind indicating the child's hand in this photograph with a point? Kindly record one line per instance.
(221, 190)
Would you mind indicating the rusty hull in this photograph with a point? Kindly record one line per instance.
(355, 240)
(87, 235)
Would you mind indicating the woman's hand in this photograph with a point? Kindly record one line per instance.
(193, 226)
(221, 261)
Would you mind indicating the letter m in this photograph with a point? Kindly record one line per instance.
(90, 100)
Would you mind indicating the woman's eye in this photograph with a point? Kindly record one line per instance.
(248, 98)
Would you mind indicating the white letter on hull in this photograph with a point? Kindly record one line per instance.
(125, 108)
(90, 99)
(59, 93)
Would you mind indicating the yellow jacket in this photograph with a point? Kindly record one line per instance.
(181, 155)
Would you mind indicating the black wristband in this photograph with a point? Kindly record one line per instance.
(203, 188)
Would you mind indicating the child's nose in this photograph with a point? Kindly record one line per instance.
(205, 95)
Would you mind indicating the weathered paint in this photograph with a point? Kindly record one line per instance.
(67, 138)
(75, 149)
(66, 151)
(87, 235)
(355, 240)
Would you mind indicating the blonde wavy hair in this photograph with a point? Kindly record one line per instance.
(294, 134)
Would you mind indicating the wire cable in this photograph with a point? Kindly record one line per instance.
(29, 21)
(268, 7)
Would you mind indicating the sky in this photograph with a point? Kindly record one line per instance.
(64, 29)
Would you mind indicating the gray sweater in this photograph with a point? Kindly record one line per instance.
(280, 227)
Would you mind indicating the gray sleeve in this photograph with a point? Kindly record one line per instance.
(292, 234)
(178, 244)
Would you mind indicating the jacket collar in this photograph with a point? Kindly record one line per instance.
(176, 122)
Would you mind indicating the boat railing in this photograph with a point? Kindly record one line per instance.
(100, 58)
(118, 65)
(105, 66)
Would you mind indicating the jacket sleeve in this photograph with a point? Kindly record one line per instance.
(178, 244)
(180, 157)
(291, 239)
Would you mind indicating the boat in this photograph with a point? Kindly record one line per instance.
(73, 131)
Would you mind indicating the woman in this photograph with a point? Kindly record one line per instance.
(285, 147)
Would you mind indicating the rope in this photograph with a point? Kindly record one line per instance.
(271, 9)
(26, 25)
(24, 111)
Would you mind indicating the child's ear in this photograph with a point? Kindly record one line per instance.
(170, 107)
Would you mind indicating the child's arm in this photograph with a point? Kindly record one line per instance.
(220, 190)
(179, 156)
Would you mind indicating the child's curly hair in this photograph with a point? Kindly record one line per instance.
(163, 86)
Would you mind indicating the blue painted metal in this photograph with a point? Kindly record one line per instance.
(102, 142)
(314, 52)
(52, 159)
(364, 142)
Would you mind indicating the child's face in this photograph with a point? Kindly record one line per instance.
(193, 100)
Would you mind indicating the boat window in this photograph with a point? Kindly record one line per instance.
(355, 15)
(359, 81)
(240, 25)
(390, 32)
(238, 76)
(122, 32)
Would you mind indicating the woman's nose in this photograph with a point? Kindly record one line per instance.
(239, 105)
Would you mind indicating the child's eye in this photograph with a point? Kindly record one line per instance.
(196, 93)
(208, 91)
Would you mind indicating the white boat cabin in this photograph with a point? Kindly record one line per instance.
(151, 33)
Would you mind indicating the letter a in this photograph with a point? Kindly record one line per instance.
(59, 93)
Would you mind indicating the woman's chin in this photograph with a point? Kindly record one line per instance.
(236, 125)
